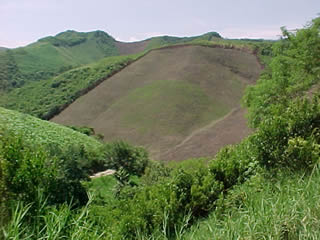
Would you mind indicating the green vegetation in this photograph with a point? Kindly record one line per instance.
(53, 55)
(45, 99)
(42, 132)
(157, 42)
(156, 100)
(293, 69)
(266, 187)
(286, 207)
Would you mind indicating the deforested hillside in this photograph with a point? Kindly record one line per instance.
(164, 99)
(52, 55)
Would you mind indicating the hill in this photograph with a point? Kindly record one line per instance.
(48, 92)
(52, 55)
(166, 96)
(46, 98)
(40, 132)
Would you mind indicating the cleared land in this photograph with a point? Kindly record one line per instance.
(163, 100)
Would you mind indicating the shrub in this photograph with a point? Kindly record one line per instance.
(132, 159)
(25, 169)
(290, 139)
(170, 203)
(235, 164)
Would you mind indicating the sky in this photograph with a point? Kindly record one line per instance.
(25, 21)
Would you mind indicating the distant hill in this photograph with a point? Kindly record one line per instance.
(53, 55)
(2, 49)
(169, 95)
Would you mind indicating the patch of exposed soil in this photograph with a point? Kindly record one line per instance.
(207, 141)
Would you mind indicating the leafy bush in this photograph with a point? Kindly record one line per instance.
(133, 160)
(26, 169)
(165, 205)
(235, 164)
(291, 139)
(294, 68)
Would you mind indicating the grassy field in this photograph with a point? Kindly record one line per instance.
(165, 96)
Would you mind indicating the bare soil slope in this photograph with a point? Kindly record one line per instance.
(178, 102)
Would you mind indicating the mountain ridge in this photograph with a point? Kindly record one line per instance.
(53, 55)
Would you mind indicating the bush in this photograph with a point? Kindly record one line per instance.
(235, 164)
(26, 169)
(168, 204)
(133, 160)
(290, 139)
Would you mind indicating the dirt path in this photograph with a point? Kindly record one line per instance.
(207, 141)
(103, 173)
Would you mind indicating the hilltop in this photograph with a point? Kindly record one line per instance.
(53, 55)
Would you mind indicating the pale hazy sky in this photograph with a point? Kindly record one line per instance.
(25, 21)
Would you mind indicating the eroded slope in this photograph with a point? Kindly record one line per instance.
(167, 95)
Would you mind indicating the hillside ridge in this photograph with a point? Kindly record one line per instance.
(145, 75)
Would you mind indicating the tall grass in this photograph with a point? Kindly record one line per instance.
(51, 223)
(264, 208)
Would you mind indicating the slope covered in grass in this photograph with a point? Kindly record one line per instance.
(52, 55)
(40, 132)
(163, 97)
(44, 99)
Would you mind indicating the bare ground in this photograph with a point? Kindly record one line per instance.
(207, 141)
(221, 73)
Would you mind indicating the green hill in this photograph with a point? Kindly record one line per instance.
(40, 132)
(53, 91)
(45, 99)
(52, 55)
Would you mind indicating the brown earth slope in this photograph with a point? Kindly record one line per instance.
(178, 102)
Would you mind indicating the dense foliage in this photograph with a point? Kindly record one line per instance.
(294, 68)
